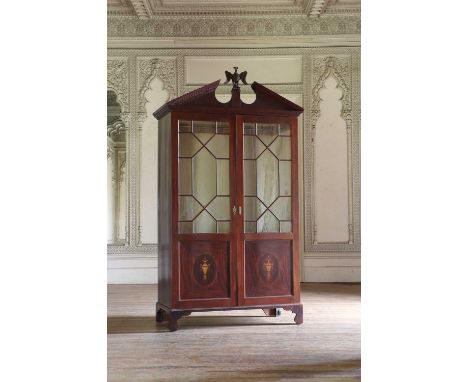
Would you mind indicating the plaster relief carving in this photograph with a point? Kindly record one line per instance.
(331, 167)
(205, 26)
(340, 67)
(117, 80)
(164, 69)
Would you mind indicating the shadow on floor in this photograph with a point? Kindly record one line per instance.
(148, 324)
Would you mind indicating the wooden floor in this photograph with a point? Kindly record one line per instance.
(236, 345)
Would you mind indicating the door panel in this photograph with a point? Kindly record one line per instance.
(206, 238)
(268, 268)
(267, 193)
(204, 270)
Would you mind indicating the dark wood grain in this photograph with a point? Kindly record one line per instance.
(204, 271)
(267, 103)
(164, 211)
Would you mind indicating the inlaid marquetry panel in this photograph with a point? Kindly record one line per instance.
(268, 268)
(204, 270)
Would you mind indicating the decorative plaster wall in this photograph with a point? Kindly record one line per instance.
(146, 78)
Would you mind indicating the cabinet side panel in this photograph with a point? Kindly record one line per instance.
(164, 210)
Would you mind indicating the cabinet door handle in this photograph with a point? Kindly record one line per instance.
(240, 210)
(234, 210)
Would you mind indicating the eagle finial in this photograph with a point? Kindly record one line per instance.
(235, 77)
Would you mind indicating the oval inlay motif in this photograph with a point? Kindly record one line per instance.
(204, 269)
(268, 268)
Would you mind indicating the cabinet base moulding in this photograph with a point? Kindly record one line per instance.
(171, 316)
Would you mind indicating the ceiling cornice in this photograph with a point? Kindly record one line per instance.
(150, 9)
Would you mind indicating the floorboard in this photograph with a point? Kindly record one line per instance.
(236, 345)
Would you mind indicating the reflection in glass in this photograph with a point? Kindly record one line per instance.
(222, 176)
(204, 177)
(204, 130)
(188, 145)
(268, 223)
(253, 208)
(116, 173)
(250, 178)
(188, 208)
(204, 223)
(267, 177)
(219, 208)
(185, 176)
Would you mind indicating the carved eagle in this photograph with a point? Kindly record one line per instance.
(235, 77)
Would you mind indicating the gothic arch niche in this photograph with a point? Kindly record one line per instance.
(155, 96)
(116, 173)
(331, 167)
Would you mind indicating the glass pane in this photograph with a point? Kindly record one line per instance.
(281, 208)
(267, 178)
(219, 208)
(204, 130)
(253, 147)
(185, 227)
(281, 147)
(188, 145)
(219, 146)
(204, 176)
(285, 226)
(185, 126)
(250, 227)
(253, 208)
(222, 176)
(185, 176)
(204, 223)
(267, 132)
(285, 129)
(222, 127)
(250, 178)
(188, 208)
(285, 178)
(249, 129)
(267, 223)
(224, 227)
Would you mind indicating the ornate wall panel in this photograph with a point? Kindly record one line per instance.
(148, 70)
(132, 70)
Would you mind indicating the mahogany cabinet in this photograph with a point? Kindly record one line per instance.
(228, 208)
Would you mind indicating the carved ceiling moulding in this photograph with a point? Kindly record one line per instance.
(164, 69)
(233, 26)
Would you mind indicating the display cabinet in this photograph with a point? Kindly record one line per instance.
(228, 208)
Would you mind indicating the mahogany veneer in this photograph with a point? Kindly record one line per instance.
(228, 204)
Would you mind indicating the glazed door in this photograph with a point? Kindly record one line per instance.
(204, 261)
(267, 196)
